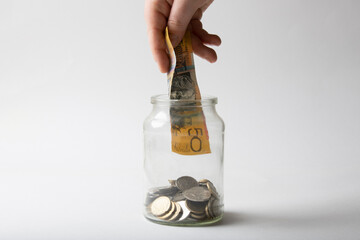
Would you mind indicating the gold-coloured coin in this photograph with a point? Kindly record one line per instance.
(207, 211)
(160, 206)
(170, 213)
(204, 180)
(172, 182)
(184, 200)
(209, 206)
(197, 216)
(212, 189)
(178, 212)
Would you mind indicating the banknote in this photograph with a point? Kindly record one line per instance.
(189, 134)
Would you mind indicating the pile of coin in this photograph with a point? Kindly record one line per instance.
(184, 200)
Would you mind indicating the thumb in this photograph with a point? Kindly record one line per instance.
(179, 19)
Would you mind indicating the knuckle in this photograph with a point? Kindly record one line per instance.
(176, 23)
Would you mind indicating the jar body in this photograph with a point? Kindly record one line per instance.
(183, 188)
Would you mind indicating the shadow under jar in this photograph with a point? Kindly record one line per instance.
(183, 162)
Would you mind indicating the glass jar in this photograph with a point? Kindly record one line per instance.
(183, 162)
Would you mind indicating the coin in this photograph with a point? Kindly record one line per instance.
(216, 208)
(172, 182)
(178, 197)
(165, 190)
(212, 189)
(155, 190)
(196, 207)
(197, 194)
(184, 200)
(207, 211)
(160, 206)
(150, 198)
(204, 180)
(178, 212)
(170, 213)
(186, 182)
(208, 208)
(197, 216)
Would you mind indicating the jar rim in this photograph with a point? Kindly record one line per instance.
(164, 99)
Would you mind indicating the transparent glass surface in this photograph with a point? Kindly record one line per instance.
(167, 198)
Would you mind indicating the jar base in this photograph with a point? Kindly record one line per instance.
(187, 223)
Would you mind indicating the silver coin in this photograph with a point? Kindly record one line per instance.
(163, 191)
(178, 197)
(155, 190)
(196, 207)
(216, 208)
(197, 194)
(186, 182)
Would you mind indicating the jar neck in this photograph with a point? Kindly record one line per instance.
(164, 100)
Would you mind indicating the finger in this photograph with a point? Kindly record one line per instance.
(158, 49)
(203, 51)
(179, 18)
(162, 60)
(198, 14)
(203, 35)
(206, 5)
(156, 13)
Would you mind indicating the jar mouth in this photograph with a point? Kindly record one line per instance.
(164, 99)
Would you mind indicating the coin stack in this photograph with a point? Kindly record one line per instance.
(184, 200)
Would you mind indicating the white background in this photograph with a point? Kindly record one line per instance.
(75, 82)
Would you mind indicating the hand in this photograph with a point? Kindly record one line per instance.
(178, 15)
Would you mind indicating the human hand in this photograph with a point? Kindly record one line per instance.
(178, 15)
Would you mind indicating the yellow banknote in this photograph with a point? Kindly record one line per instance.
(189, 134)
